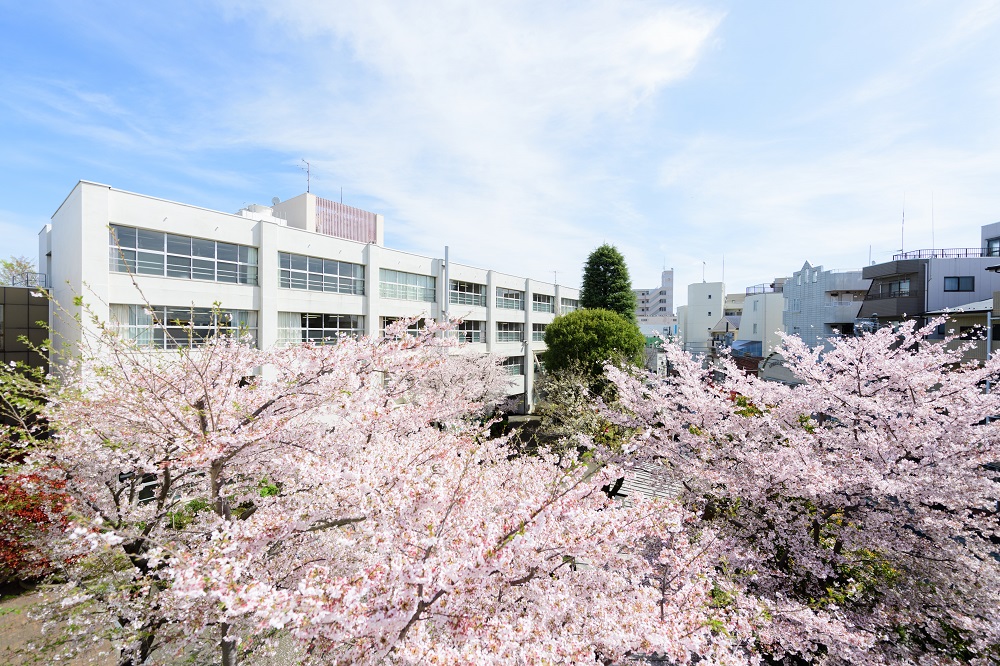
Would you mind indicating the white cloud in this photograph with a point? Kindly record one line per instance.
(483, 126)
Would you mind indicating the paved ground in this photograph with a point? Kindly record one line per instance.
(19, 634)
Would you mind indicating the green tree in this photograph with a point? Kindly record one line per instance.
(13, 268)
(606, 283)
(587, 339)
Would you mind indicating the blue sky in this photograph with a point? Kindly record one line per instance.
(524, 134)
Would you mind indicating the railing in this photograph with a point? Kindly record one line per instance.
(39, 280)
(945, 253)
(764, 289)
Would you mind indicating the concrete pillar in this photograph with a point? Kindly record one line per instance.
(491, 309)
(371, 302)
(266, 238)
(529, 357)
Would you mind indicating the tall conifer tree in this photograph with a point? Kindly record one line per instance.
(606, 283)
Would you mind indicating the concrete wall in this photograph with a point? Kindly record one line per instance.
(75, 254)
(706, 301)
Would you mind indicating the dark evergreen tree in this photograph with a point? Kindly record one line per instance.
(587, 339)
(606, 283)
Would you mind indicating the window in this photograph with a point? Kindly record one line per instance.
(755, 305)
(964, 283)
(755, 329)
(538, 332)
(296, 271)
(510, 299)
(468, 293)
(166, 327)
(710, 297)
(894, 289)
(542, 303)
(471, 331)
(412, 329)
(406, 286)
(993, 247)
(709, 313)
(513, 365)
(508, 331)
(299, 327)
(569, 305)
(145, 252)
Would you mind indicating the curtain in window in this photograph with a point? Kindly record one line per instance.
(133, 322)
(289, 328)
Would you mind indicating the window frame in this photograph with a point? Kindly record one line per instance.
(960, 283)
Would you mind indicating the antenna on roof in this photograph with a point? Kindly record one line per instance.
(275, 201)
(902, 228)
(308, 171)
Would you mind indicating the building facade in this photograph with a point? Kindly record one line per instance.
(706, 303)
(921, 281)
(761, 323)
(658, 301)
(24, 315)
(820, 304)
(304, 269)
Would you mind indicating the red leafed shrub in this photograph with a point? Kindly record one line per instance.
(30, 506)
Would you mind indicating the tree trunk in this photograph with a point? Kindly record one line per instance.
(228, 646)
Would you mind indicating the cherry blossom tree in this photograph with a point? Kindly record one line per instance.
(347, 498)
(859, 508)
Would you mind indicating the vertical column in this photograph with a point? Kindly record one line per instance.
(266, 237)
(491, 307)
(371, 302)
(529, 357)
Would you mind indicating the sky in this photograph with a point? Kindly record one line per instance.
(726, 140)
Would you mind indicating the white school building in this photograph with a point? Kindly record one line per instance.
(304, 269)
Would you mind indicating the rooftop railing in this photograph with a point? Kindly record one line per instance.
(30, 280)
(945, 253)
(765, 288)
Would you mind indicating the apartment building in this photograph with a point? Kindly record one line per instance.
(654, 310)
(304, 269)
(706, 302)
(820, 304)
(761, 321)
(917, 282)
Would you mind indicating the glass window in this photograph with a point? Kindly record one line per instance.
(510, 299)
(149, 240)
(407, 286)
(963, 283)
(471, 331)
(203, 248)
(166, 327)
(993, 247)
(297, 271)
(513, 365)
(320, 329)
(508, 331)
(411, 329)
(122, 236)
(179, 256)
(542, 303)
(468, 293)
(569, 305)
(538, 332)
